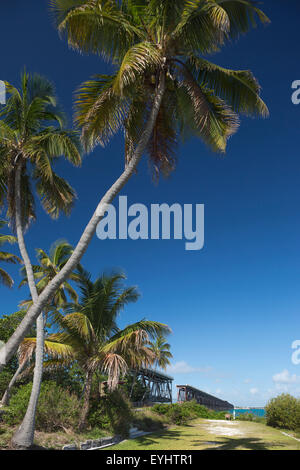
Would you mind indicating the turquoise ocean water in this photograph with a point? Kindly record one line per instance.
(261, 412)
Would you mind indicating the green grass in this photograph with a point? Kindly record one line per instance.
(196, 436)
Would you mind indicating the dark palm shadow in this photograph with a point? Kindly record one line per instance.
(162, 435)
(247, 443)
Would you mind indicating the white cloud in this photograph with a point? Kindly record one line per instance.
(285, 377)
(183, 367)
(247, 381)
(254, 391)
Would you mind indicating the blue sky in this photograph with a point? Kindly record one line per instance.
(233, 306)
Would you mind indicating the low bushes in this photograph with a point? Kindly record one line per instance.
(284, 412)
(57, 408)
(5, 378)
(182, 413)
(250, 417)
(112, 412)
(149, 421)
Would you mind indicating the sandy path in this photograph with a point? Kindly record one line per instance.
(220, 427)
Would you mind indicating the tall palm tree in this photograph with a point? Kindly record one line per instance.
(161, 351)
(5, 278)
(162, 85)
(90, 330)
(32, 138)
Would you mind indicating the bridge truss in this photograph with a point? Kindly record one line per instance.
(188, 393)
(158, 386)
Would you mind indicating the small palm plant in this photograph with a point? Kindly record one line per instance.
(49, 265)
(5, 278)
(161, 351)
(89, 334)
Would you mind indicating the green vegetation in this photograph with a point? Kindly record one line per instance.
(57, 408)
(112, 413)
(250, 417)
(284, 412)
(182, 413)
(5, 278)
(87, 349)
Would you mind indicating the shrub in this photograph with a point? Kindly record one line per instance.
(149, 421)
(112, 412)
(181, 413)
(57, 408)
(283, 412)
(5, 378)
(161, 409)
(250, 417)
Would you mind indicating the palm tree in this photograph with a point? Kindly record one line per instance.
(46, 270)
(5, 278)
(161, 355)
(163, 88)
(32, 138)
(89, 329)
(161, 351)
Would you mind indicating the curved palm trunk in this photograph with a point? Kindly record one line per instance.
(86, 401)
(23, 438)
(12, 344)
(6, 396)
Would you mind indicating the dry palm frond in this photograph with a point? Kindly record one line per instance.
(115, 367)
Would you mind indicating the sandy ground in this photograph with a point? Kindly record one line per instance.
(220, 427)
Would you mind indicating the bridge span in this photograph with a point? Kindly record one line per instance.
(188, 393)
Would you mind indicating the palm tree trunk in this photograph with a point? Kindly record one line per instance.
(6, 396)
(23, 437)
(86, 400)
(12, 344)
(133, 383)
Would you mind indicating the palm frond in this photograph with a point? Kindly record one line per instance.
(5, 278)
(136, 335)
(163, 143)
(213, 120)
(114, 366)
(243, 15)
(54, 350)
(100, 112)
(203, 27)
(56, 195)
(140, 59)
(96, 26)
(57, 143)
(238, 88)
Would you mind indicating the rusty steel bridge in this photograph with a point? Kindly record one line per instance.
(158, 386)
(188, 393)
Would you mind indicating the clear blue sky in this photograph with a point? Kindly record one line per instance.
(233, 306)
